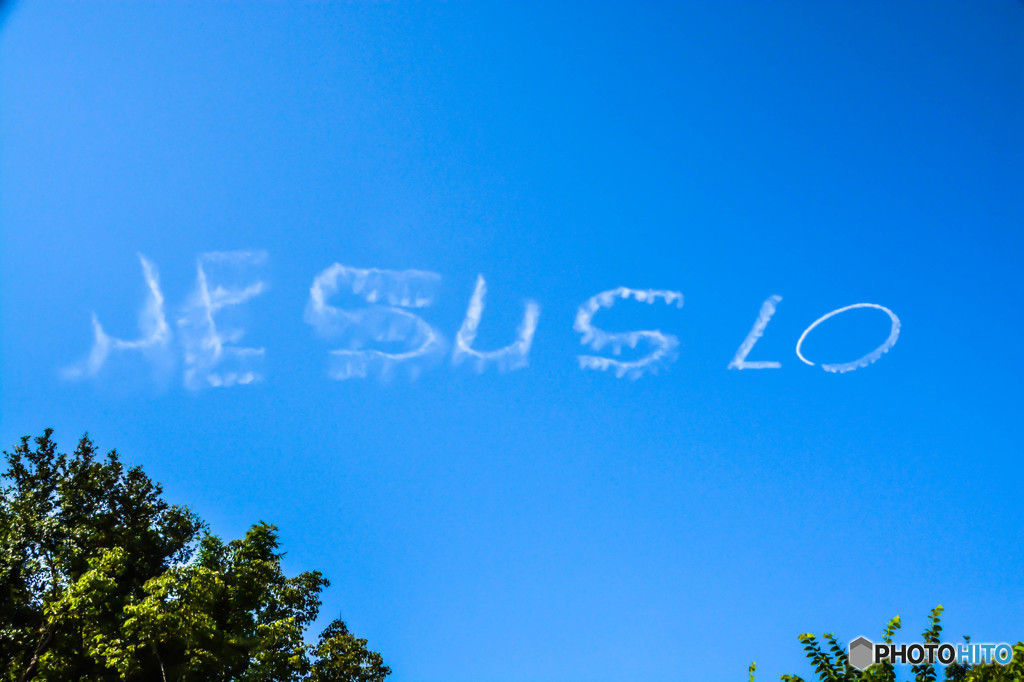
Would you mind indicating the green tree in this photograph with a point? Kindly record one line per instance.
(832, 665)
(101, 579)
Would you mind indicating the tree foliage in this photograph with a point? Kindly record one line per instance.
(831, 664)
(101, 579)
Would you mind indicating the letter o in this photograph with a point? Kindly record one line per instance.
(864, 361)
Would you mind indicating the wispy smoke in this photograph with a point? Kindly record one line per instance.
(210, 358)
(740, 361)
(511, 357)
(385, 320)
(664, 345)
(156, 333)
(840, 368)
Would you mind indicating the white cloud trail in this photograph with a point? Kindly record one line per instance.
(664, 345)
(211, 359)
(511, 357)
(763, 317)
(385, 319)
(156, 333)
(864, 361)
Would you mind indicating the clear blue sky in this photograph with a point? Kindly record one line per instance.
(549, 522)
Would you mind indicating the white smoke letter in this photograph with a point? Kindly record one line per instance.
(664, 345)
(894, 334)
(763, 317)
(211, 359)
(511, 357)
(413, 343)
(156, 333)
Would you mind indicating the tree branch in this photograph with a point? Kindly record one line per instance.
(156, 652)
(41, 648)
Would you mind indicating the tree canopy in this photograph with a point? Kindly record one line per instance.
(102, 579)
(831, 663)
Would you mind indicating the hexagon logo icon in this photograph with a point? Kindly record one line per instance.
(862, 653)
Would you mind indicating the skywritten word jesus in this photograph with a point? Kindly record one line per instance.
(386, 298)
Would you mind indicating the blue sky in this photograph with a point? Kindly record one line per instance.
(548, 522)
